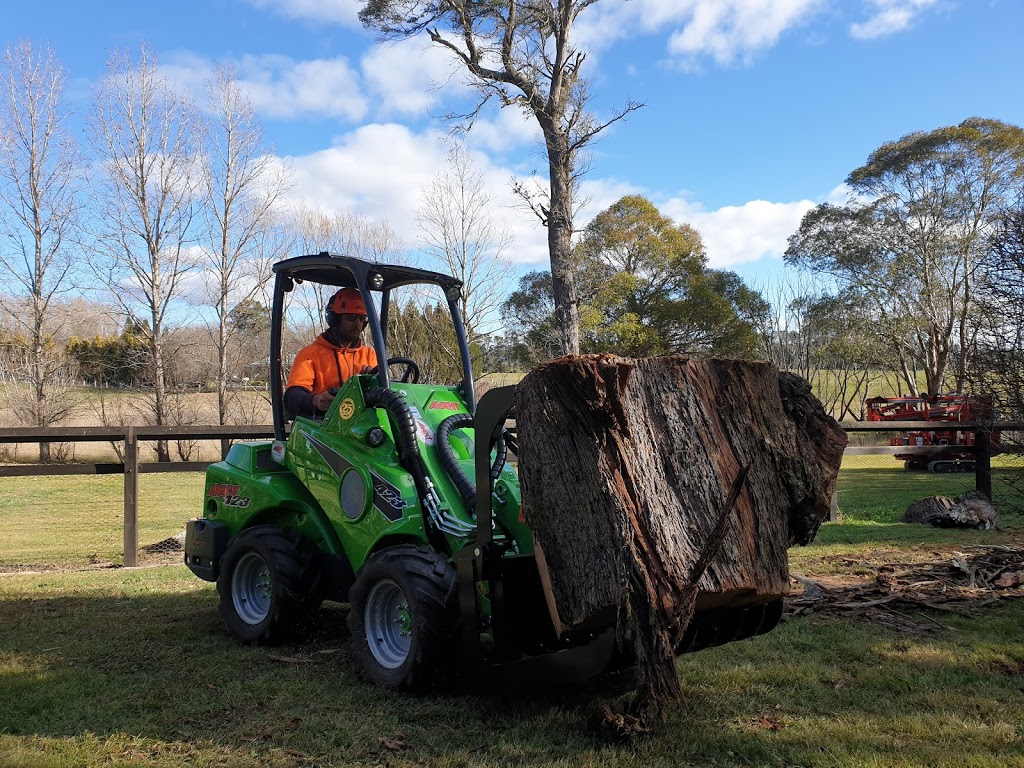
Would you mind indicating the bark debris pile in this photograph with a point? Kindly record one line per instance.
(900, 593)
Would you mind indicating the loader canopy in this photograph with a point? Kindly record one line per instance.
(401, 302)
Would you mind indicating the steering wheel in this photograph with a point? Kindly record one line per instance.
(411, 373)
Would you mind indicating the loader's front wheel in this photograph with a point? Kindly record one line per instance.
(404, 617)
(268, 582)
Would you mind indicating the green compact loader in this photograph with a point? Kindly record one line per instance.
(402, 502)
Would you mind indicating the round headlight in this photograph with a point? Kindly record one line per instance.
(376, 437)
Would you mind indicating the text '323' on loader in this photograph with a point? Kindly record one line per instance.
(401, 502)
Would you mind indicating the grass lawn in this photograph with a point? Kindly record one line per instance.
(116, 667)
(79, 520)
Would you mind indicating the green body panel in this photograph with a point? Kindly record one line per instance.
(248, 488)
(348, 497)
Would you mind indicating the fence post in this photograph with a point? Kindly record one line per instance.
(131, 498)
(983, 461)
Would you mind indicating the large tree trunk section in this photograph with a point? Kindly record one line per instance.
(626, 466)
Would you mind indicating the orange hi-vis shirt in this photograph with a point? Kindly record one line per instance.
(322, 365)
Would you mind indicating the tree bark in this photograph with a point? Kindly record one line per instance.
(626, 466)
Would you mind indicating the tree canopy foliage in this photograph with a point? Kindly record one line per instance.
(645, 290)
(909, 244)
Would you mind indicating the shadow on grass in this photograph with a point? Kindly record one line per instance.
(161, 669)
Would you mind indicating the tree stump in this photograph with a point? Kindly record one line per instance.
(626, 466)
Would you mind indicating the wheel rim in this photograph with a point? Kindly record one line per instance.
(252, 588)
(388, 624)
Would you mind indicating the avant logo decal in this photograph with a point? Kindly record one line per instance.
(443, 405)
(229, 494)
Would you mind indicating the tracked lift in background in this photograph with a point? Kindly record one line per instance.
(940, 415)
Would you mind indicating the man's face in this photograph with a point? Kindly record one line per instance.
(350, 327)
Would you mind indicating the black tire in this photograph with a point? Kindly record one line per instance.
(268, 584)
(404, 618)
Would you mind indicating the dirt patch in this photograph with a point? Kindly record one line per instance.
(908, 594)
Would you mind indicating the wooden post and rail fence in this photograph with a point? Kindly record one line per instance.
(131, 467)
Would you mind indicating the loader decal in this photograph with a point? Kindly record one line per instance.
(228, 494)
(335, 460)
(387, 499)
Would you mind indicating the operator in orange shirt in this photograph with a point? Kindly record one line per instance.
(334, 355)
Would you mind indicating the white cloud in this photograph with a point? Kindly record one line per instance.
(511, 129)
(280, 86)
(411, 77)
(345, 12)
(890, 17)
(740, 234)
(839, 195)
(725, 30)
(380, 171)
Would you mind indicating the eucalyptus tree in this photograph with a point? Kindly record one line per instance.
(649, 290)
(521, 54)
(645, 289)
(910, 240)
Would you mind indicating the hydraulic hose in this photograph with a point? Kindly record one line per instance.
(465, 486)
(408, 449)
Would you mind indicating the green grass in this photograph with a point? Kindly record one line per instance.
(79, 520)
(872, 491)
(119, 667)
(132, 668)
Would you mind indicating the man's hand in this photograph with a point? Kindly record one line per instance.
(322, 401)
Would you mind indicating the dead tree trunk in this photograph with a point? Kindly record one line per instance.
(626, 466)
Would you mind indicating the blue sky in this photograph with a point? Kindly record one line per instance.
(756, 109)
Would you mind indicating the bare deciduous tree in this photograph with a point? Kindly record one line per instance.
(146, 136)
(39, 209)
(243, 183)
(462, 239)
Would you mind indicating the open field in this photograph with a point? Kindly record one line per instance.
(79, 521)
(115, 667)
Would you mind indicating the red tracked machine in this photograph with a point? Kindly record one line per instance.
(940, 415)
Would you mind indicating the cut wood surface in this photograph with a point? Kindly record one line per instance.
(626, 466)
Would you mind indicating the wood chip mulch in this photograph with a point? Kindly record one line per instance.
(909, 596)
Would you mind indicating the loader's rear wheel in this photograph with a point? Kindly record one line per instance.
(268, 582)
(404, 617)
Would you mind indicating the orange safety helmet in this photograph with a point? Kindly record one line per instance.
(347, 301)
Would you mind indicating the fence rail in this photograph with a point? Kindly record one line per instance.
(131, 467)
